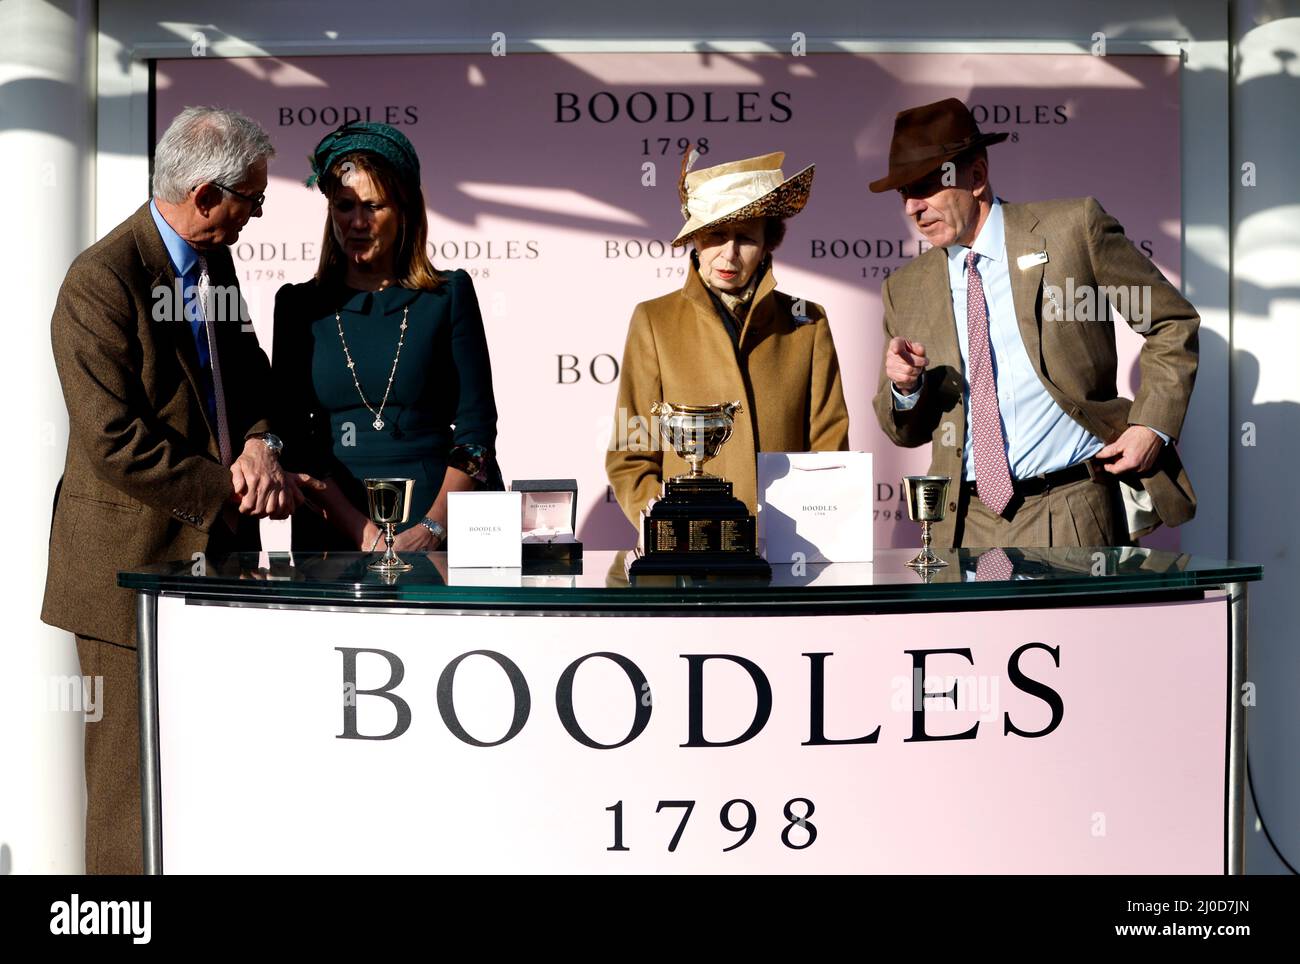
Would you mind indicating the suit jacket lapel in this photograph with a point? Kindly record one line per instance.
(1019, 226)
(158, 265)
(942, 347)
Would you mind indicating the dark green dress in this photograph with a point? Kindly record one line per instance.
(440, 410)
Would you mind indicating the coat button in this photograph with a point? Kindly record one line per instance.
(952, 506)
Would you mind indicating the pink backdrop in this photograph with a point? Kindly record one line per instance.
(533, 174)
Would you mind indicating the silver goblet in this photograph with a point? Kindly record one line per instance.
(389, 502)
(927, 501)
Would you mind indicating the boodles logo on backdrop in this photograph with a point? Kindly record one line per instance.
(264, 251)
(493, 249)
(332, 116)
(675, 107)
(1021, 114)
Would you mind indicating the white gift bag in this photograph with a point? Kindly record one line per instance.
(817, 504)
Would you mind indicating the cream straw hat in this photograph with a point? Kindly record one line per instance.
(754, 187)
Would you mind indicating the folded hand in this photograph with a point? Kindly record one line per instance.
(263, 489)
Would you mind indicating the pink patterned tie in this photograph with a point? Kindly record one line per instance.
(994, 566)
(218, 391)
(992, 474)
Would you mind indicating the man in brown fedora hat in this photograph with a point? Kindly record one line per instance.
(1013, 383)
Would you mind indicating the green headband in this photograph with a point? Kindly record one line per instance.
(388, 142)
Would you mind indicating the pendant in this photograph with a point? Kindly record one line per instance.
(379, 424)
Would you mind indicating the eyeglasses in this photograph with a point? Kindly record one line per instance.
(921, 189)
(257, 200)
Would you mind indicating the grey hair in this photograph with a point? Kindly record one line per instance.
(206, 144)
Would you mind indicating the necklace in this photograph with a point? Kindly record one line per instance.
(378, 423)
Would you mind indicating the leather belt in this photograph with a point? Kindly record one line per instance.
(1038, 484)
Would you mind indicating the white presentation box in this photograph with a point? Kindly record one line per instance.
(484, 530)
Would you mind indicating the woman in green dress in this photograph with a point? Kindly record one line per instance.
(380, 362)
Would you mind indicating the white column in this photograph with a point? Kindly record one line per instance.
(1265, 413)
(47, 140)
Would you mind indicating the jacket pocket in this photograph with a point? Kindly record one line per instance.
(121, 503)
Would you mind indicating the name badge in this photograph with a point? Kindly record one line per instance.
(1030, 260)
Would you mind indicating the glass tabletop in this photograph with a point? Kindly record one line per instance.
(600, 580)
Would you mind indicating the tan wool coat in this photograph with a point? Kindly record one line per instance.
(785, 375)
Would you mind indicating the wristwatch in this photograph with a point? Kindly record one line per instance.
(272, 442)
(437, 528)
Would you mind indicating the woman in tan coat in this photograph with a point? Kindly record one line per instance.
(728, 335)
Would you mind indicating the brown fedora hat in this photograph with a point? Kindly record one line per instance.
(925, 137)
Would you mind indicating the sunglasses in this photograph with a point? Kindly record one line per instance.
(257, 200)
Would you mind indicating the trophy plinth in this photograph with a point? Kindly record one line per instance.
(389, 502)
(927, 497)
(698, 527)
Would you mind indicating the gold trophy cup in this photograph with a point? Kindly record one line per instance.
(389, 502)
(927, 502)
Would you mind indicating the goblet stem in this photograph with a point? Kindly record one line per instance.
(926, 559)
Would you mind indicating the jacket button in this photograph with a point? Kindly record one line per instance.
(952, 506)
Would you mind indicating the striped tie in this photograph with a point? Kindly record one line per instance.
(223, 426)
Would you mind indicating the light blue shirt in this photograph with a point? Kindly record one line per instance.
(1040, 436)
(185, 260)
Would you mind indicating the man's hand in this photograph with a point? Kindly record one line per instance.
(262, 488)
(905, 361)
(1134, 451)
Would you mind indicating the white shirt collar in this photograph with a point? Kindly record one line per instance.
(990, 243)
